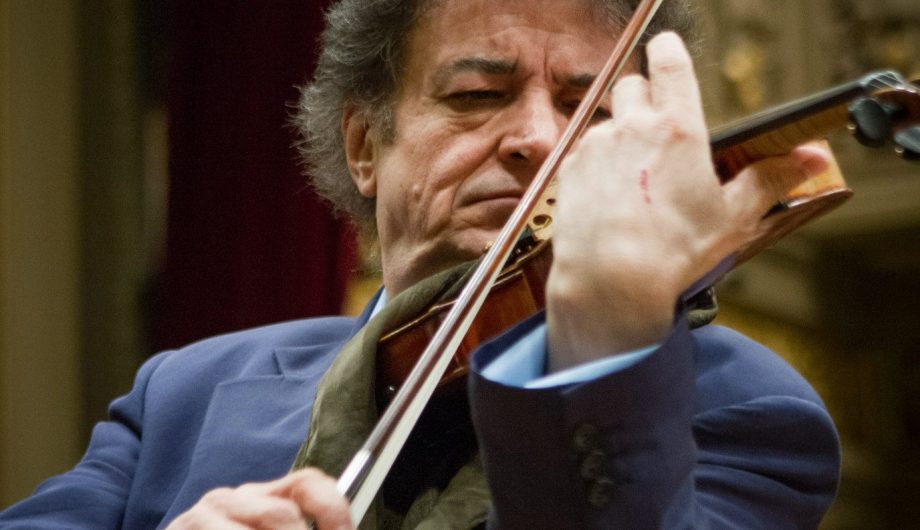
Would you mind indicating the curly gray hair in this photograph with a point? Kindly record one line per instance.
(363, 48)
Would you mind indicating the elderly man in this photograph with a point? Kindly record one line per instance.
(425, 124)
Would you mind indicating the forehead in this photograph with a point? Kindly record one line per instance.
(568, 32)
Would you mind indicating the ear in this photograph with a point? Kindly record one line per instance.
(360, 151)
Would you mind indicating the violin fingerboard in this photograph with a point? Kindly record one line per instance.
(729, 161)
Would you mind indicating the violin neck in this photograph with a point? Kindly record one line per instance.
(779, 130)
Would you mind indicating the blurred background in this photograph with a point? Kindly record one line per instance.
(150, 196)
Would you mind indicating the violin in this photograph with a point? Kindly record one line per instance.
(878, 109)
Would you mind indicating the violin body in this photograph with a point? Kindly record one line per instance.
(518, 293)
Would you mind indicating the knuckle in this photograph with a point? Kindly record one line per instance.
(281, 512)
(217, 497)
(674, 129)
(190, 520)
(310, 474)
(314, 489)
(669, 65)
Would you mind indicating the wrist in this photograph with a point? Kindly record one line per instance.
(589, 320)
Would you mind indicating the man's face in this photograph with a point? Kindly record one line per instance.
(488, 88)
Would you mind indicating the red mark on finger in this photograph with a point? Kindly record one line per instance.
(643, 183)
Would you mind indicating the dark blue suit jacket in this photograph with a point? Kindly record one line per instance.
(712, 430)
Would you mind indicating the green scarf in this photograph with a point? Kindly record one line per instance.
(345, 412)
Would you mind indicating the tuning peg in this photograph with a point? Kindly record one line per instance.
(907, 143)
(870, 121)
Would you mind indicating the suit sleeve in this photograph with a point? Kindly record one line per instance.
(631, 450)
(94, 494)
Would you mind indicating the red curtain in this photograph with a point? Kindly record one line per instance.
(247, 242)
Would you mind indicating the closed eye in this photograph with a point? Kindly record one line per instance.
(476, 99)
(600, 114)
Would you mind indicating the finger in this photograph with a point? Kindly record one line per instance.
(763, 184)
(673, 85)
(197, 520)
(630, 93)
(252, 507)
(316, 494)
(227, 508)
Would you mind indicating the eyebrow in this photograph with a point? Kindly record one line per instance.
(493, 66)
(483, 65)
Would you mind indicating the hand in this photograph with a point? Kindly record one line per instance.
(641, 214)
(286, 503)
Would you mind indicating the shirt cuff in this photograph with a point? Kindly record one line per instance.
(523, 365)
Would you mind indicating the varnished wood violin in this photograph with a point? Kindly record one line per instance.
(879, 108)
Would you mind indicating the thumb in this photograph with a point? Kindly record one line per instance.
(758, 187)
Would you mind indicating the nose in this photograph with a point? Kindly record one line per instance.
(531, 131)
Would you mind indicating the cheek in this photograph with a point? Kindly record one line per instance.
(405, 189)
(459, 160)
(435, 170)
(425, 171)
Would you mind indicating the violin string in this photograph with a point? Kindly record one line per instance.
(885, 81)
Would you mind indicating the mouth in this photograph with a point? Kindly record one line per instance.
(497, 198)
(490, 210)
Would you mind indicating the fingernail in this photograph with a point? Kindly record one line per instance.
(813, 163)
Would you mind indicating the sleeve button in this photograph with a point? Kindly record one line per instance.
(586, 438)
(593, 464)
(600, 492)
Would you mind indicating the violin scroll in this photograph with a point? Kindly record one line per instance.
(871, 121)
(890, 115)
